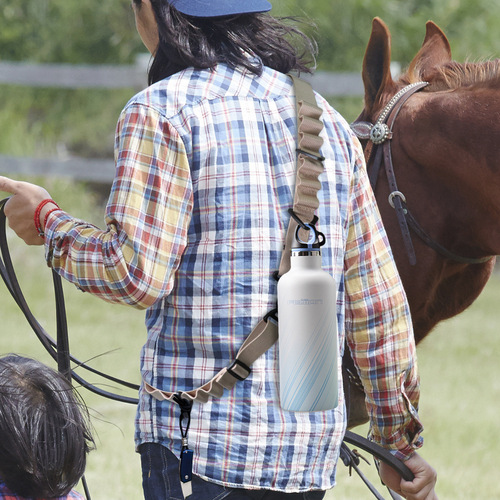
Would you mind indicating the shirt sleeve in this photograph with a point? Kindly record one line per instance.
(378, 325)
(147, 217)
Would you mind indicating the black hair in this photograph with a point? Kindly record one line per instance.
(187, 41)
(44, 429)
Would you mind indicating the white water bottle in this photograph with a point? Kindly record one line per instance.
(307, 326)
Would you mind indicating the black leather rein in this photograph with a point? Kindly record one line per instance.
(59, 351)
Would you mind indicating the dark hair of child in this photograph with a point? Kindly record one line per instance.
(44, 429)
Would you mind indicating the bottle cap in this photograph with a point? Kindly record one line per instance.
(296, 252)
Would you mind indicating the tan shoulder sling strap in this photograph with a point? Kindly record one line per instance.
(265, 333)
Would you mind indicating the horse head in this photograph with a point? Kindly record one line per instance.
(445, 151)
(437, 128)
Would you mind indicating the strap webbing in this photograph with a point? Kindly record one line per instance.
(262, 337)
(265, 334)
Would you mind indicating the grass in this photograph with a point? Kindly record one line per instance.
(460, 389)
(458, 363)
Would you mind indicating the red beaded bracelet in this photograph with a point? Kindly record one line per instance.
(38, 211)
(55, 209)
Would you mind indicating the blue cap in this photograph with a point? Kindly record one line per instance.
(218, 8)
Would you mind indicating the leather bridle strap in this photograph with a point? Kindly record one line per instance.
(351, 459)
(380, 135)
(395, 194)
(437, 247)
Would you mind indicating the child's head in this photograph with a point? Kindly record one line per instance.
(44, 429)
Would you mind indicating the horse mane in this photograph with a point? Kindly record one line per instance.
(453, 75)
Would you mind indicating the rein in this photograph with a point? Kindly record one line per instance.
(379, 136)
(60, 352)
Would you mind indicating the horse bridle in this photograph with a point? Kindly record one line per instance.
(379, 137)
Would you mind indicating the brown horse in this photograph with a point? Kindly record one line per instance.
(443, 145)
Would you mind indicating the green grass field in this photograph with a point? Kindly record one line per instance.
(460, 390)
(458, 362)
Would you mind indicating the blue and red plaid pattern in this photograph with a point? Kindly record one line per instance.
(205, 173)
(6, 494)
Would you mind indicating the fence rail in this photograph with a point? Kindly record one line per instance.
(113, 76)
(134, 75)
(72, 75)
(82, 169)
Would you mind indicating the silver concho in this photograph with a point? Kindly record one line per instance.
(379, 133)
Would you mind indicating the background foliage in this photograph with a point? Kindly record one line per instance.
(343, 27)
(97, 31)
(93, 31)
(54, 122)
(460, 373)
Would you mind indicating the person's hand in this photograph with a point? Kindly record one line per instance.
(21, 207)
(422, 486)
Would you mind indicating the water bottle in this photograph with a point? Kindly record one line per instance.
(307, 326)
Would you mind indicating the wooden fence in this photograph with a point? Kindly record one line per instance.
(112, 76)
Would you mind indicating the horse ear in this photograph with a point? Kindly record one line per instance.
(377, 63)
(435, 51)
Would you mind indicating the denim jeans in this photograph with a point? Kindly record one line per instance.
(160, 481)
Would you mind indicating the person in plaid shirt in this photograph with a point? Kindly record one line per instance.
(44, 432)
(195, 224)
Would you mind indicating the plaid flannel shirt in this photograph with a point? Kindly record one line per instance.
(195, 223)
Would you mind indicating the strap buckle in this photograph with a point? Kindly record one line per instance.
(235, 366)
(310, 155)
(272, 315)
